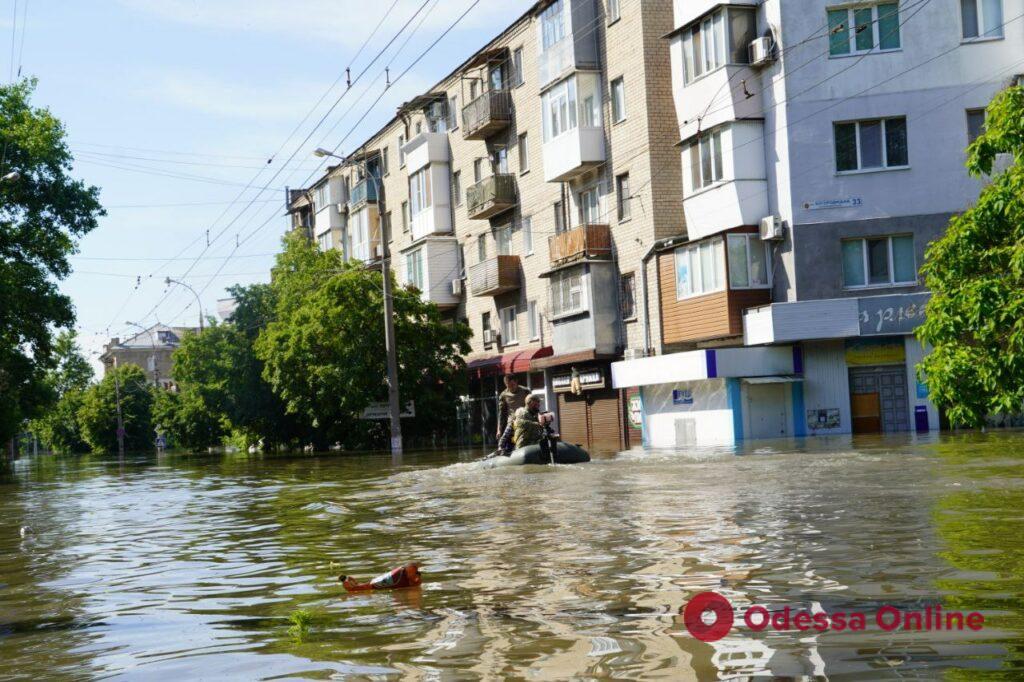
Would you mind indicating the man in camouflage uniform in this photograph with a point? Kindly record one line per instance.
(511, 399)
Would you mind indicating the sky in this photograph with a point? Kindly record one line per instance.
(173, 108)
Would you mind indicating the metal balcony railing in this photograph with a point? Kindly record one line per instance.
(488, 114)
(491, 196)
(362, 192)
(495, 276)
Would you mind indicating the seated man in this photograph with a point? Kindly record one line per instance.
(528, 426)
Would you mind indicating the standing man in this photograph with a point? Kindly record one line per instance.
(511, 399)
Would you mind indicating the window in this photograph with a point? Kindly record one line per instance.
(474, 89)
(876, 143)
(503, 240)
(401, 151)
(565, 105)
(552, 25)
(478, 170)
(360, 229)
(453, 112)
(614, 12)
(618, 100)
(559, 217)
(622, 189)
(975, 124)
(627, 296)
(699, 269)
(321, 197)
(706, 160)
(509, 328)
(481, 248)
(524, 153)
(485, 322)
(567, 293)
(499, 160)
(719, 38)
(457, 187)
(419, 127)
(748, 262)
(879, 261)
(405, 216)
(981, 18)
(856, 30)
(497, 77)
(527, 230)
(324, 241)
(517, 67)
(419, 191)
(533, 320)
(414, 269)
(384, 161)
(590, 207)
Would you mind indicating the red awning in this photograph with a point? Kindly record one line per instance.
(509, 363)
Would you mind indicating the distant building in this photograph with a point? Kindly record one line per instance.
(150, 350)
(226, 308)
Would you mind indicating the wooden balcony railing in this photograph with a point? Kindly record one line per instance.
(584, 241)
(491, 196)
(495, 276)
(489, 113)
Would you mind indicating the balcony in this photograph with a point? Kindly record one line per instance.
(488, 114)
(491, 196)
(573, 153)
(584, 242)
(364, 191)
(495, 276)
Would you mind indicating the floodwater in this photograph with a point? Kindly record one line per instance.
(189, 567)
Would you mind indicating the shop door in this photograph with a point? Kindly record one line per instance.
(878, 399)
(593, 419)
(766, 405)
(573, 419)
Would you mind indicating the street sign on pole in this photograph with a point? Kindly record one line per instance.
(383, 411)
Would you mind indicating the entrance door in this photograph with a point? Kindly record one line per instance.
(594, 419)
(878, 399)
(766, 407)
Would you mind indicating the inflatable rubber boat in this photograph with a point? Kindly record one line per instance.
(565, 453)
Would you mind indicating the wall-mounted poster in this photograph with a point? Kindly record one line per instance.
(635, 412)
(870, 352)
(823, 419)
(682, 396)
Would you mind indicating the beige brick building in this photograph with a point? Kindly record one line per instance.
(524, 194)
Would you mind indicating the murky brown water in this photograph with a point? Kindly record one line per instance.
(189, 567)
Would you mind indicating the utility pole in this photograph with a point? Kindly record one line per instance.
(390, 347)
(120, 417)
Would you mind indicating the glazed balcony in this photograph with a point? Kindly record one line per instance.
(495, 276)
(488, 114)
(491, 196)
(364, 191)
(584, 242)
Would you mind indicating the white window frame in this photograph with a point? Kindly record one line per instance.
(618, 90)
(401, 151)
(457, 187)
(517, 66)
(891, 263)
(533, 320)
(527, 231)
(324, 241)
(614, 11)
(560, 109)
(420, 197)
(982, 33)
(384, 165)
(566, 285)
(360, 232)
(552, 23)
(453, 112)
(509, 320)
(692, 254)
(588, 203)
(322, 197)
(414, 270)
(885, 147)
(625, 199)
(875, 27)
(710, 141)
(753, 241)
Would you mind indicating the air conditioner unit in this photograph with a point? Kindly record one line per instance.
(490, 336)
(457, 287)
(376, 252)
(771, 228)
(633, 354)
(761, 51)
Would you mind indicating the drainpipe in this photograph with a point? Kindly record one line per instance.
(656, 246)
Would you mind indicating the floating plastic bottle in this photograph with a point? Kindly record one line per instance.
(403, 576)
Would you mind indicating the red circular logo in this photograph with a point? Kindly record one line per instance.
(693, 616)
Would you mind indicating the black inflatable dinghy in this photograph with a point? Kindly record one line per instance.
(565, 453)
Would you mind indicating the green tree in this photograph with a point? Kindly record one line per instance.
(187, 421)
(97, 416)
(43, 213)
(65, 382)
(975, 319)
(324, 352)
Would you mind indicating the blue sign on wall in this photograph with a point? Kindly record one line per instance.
(682, 396)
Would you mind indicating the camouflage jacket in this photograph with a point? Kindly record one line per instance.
(526, 428)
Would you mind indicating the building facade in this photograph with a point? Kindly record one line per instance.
(151, 350)
(524, 194)
(822, 150)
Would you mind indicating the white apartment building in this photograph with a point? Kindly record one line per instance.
(823, 149)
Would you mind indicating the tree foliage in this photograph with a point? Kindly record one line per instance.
(43, 213)
(186, 421)
(975, 319)
(65, 383)
(97, 417)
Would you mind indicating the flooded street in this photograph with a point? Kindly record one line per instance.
(190, 566)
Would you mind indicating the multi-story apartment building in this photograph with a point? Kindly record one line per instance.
(822, 151)
(151, 350)
(524, 193)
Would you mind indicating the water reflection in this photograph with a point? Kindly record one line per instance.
(191, 566)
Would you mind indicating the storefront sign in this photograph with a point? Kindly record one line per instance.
(635, 412)
(381, 411)
(588, 379)
(868, 352)
(887, 315)
(682, 396)
(823, 419)
(847, 202)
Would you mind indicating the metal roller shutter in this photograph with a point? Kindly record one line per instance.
(572, 419)
(605, 419)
